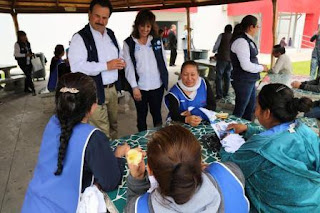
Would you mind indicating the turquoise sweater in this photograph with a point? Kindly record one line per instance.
(282, 169)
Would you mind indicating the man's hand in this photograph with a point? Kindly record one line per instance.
(116, 64)
(137, 94)
(296, 84)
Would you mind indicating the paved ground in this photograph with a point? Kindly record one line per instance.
(22, 121)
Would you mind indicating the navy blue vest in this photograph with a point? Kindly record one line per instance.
(88, 39)
(24, 49)
(157, 49)
(238, 73)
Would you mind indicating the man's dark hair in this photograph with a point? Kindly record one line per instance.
(228, 28)
(102, 3)
(279, 49)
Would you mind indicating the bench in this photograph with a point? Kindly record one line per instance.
(14, 83)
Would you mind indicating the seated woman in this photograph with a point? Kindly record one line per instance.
(55, 61)
(179, 182)
(190, 91)
(73, 154)
(281, 164)
(283, 64)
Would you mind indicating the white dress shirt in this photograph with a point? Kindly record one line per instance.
(17, 53)
(107, 51)
(147, 68)
(241, 48)
(283, 65)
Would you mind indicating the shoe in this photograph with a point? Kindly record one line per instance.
(218, 97)
(34, 93)
(28, 91)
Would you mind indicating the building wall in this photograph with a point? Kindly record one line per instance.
(310, 7)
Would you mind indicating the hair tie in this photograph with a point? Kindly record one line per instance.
(280, 88)
(71, 90)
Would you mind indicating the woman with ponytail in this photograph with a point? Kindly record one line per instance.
(282, 163)
(73, 154)
(55, 61)
(246, 68)
(177, 180)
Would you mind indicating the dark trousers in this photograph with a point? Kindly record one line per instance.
(185, 55)
(28, 83)
(152, 99)
(173, 56)
(245, 98)
(223, 74)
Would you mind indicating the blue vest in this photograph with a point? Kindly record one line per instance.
(157, 50)
(88, 40)
(238, 73)
(232, 191)
(184, 102)
(48, 192)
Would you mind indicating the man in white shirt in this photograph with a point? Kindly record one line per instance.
(95, 52)
(283, 64)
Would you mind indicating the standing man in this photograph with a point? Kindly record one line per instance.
(185, 42)
(224, 67)
(173, 44)
(315, 59)
(94, 51)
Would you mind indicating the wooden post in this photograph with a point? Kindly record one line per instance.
(15, 21)
(274, 26)
(189, 32)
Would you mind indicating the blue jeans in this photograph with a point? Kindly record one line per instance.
(185, 55)
(314, 113)
(315, 64)
(223, 73)
(245, 98)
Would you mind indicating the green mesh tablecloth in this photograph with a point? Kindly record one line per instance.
(118, 197)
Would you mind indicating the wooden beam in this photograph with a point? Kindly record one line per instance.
(189, 33)
(14, 16)
(274, 26)
(57, 3)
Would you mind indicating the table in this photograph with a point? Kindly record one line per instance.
(116, 200)
(6, 69)
(211, 65)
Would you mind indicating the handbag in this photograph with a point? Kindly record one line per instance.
(36, 64)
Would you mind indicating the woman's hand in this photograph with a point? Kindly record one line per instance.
(186, 113)
(121, 150)
(137, 94)
(193, 120)
(138, 171)
(238, 128)
(265, 68)
(296, 84)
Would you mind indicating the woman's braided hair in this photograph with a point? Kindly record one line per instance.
(72, 107)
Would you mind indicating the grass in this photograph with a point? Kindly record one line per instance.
(301, 68)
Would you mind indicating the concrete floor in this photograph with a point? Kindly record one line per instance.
(22, 121)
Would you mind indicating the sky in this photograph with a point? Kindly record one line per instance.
(45, 31)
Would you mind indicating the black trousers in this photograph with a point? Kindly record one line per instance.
(173, 56)
(28, 83)
(152, 99)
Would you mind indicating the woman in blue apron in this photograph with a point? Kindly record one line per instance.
(190, 91)
(55, 61)
(177, 181)
(281, 164)
(73, 154)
